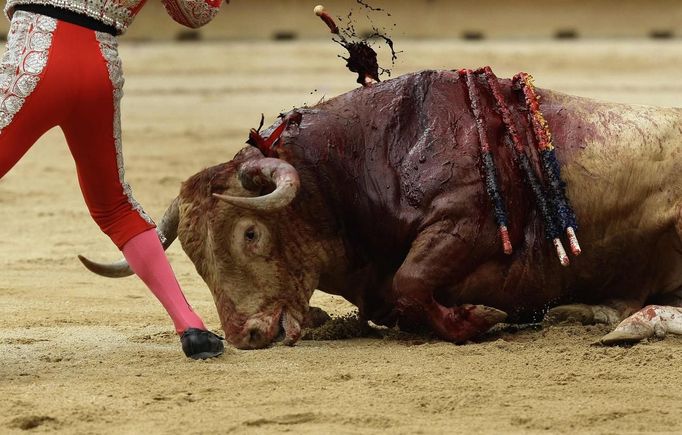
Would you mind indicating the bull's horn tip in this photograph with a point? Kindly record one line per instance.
(223, 197)
(228, 199)
(319, 10)
(86, 262)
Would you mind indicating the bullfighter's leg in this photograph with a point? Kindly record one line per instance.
(434, 262)
(93, 133)
(650, 321)
(609, 313)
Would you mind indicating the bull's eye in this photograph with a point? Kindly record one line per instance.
(250, 234)
(250, 239)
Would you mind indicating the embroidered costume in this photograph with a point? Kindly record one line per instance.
(61, 68)
(120, 14)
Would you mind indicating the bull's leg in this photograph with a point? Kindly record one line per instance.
(650, 321)
(610, 312)
(437, 258)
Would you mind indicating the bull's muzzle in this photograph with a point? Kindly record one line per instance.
(259, 332)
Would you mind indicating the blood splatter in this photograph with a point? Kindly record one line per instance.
(362, 58)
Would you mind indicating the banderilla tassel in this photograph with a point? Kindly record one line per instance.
(490, 172)
(541, 201)
(562, 208)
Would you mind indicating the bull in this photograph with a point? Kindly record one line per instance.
(378, 196)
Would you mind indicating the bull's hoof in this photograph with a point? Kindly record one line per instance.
(199, 344)
(583, 314)
(489, 315)
(650, 321)
(614, 338)
(628, 333)
(580, 313)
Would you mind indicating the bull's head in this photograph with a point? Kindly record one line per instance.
(245, 229)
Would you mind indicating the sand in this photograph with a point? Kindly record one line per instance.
(84, 354)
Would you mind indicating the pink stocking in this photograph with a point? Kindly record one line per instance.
(146, 258)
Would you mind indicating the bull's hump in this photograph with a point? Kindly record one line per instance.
(401, 85)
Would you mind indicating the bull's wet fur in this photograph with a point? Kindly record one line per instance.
(398, 166)
(393, 213)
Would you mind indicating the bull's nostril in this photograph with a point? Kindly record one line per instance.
(255, 336)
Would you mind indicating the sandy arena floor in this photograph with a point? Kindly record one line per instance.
(84, 354)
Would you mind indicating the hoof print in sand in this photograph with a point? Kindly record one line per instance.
(32, 422)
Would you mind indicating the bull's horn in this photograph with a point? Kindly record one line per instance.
(168, 232)
(261, 172)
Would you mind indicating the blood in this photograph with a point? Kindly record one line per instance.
(362, 58)
(371, 8)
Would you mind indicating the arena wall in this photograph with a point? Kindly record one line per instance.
(470, 19)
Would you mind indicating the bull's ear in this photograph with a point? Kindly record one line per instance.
(256, 174)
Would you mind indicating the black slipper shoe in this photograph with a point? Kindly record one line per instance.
(200, 344)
